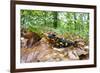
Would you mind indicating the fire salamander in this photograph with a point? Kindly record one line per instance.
(59, 42)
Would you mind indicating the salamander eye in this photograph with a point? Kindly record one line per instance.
(53, 35)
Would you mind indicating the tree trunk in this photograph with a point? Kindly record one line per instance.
(55, 19)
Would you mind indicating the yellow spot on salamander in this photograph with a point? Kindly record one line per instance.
(61, 43)
(66, 44)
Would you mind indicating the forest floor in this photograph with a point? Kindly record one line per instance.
(42, 51)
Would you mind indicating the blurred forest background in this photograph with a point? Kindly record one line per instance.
(61, 22)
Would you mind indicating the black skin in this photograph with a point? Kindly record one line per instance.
(60, 42)
(51, 36)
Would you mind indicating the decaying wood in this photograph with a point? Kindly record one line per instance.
(42, 51)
